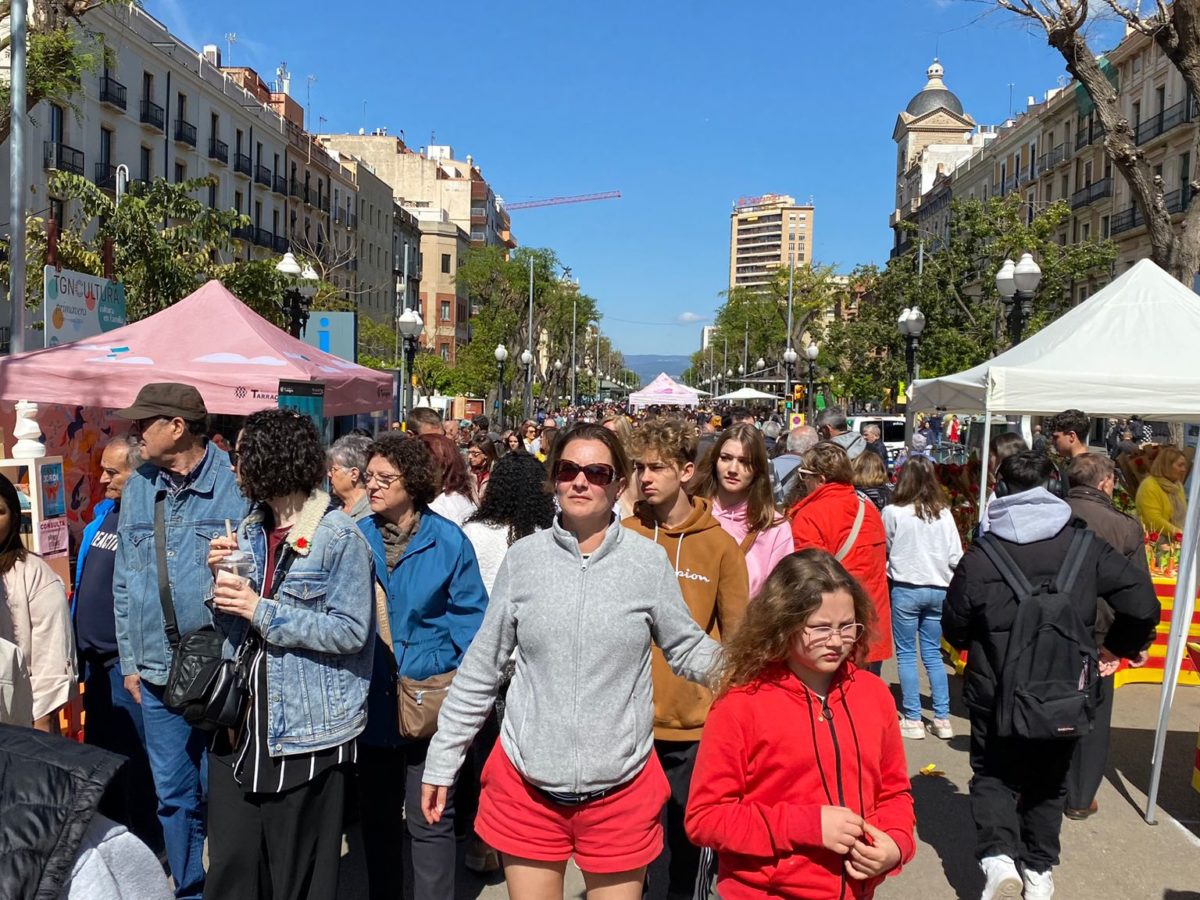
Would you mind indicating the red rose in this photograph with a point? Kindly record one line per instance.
(301, 543)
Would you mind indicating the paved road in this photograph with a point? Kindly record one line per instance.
(1115, 854)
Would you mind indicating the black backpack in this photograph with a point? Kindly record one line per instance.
(1047, 688)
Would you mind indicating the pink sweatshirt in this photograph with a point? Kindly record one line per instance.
(768, 548)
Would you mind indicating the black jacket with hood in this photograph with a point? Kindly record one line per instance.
(1036, 529)
(49, 790)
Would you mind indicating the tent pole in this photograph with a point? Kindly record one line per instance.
(983, 450)
(1181, 620)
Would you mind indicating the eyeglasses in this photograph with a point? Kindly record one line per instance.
(144, 425)
(384, 481)
(821, 634)
(598, 474)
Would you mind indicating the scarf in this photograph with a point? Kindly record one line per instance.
(1175, 493)
(395, 541)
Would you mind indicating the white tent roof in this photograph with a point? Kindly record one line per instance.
(664, 391)
(747, 393)
(1130, 348)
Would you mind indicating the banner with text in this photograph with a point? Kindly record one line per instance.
(80, 306)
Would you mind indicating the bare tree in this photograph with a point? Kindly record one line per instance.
(1175, 28)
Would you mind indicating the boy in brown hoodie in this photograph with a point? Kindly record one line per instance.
(712, 575)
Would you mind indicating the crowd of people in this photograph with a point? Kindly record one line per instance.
(650, 643)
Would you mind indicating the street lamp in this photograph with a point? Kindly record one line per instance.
(410, 326)
(527, 362)
(789, 360)
(298, 295)
(557, 382)
(1016, 285)
(911, 323)
(811, 352)
(501, 356)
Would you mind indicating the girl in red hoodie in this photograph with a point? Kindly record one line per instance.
(800, 784)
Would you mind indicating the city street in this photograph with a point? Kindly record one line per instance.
(1113, 854)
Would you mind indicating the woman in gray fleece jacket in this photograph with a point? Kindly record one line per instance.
(574, 773)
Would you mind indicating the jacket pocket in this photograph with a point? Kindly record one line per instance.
(307, 590)
(140, 548)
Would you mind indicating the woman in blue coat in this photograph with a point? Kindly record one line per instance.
(435, 604)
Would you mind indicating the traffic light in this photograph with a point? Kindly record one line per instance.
(798, 392)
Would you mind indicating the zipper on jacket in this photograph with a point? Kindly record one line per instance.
(827, 715)
(575, 688)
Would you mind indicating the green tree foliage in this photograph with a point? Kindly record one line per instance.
(166, 243)
(954, 285)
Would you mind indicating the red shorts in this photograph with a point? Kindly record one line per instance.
(617, 833)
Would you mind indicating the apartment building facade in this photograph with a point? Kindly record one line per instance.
(1055, 151)
(766, 233)
(444, 303)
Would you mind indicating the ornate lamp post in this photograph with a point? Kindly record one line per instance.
(410, 326)
(501, 355)
(297, 296)
(527, 362)
(789, 361)
(1017, 284)
(811, 352)
(557, 382)
(911, 323)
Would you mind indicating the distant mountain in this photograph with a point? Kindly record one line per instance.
(648, 367)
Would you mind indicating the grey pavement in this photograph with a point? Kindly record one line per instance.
(1114, 854)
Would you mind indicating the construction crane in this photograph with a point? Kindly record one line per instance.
(558, 201)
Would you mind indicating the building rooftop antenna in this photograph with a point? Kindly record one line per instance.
(230, 40)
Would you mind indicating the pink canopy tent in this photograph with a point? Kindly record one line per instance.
(209, 339)
(664, 391)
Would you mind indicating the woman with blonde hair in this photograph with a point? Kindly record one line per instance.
(736, 476)
(1161, 501)
(871, 479)
(619, 425)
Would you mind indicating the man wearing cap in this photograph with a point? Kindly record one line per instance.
(190, 480)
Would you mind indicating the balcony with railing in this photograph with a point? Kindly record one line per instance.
(112, 92)
(309, 193)
(243, 233)
(218, 150)
(63, 158)
(264, 238)
(279, 185)
(152, 114)
(323, 203)
(1171, 117)
(262, 175)
(1089, 135)
(105, 176)
(242, 164)
(185, 132)
(339, 216)
(280, 243)
(1178, 201)
(353, 220)
(1097, 190)
(296, 189)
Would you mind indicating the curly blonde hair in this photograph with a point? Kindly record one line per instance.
(674, 440)
(791, 594)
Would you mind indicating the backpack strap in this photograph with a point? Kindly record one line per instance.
(853, 535)
(1080, 542)
(1005, 565)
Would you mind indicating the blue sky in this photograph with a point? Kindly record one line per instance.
(681, 105)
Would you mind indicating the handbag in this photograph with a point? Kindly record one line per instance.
(418, 702)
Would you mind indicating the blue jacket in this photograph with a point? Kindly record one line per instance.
(99, 511)
(318, 629)
(193, 517)
(436, 600)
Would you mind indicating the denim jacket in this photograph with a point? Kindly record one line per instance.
(318, 628)
(194, 515)
(435, 599)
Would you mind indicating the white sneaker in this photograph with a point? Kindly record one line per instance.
(913, 729)
(1038, 885)
(941, 728)
(1003, 879)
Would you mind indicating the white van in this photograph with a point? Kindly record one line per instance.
(890, 427)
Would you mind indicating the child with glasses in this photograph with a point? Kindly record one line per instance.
(801, 785)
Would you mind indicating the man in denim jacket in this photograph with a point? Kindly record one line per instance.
(199, 493)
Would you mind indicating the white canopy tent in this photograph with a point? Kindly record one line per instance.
(747, 393)
(1129, 349)
(664, 391)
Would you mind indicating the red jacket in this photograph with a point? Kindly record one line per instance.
(824, 519)
(770, 759)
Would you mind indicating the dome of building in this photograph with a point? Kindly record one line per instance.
(934, 95)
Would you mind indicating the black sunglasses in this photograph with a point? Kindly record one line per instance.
(599, 474)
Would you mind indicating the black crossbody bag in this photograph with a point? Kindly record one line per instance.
(209, 691)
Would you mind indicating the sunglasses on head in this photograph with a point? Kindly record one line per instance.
(599, 474)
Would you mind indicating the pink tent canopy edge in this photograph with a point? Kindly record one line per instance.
(664, 390)
(209, 339)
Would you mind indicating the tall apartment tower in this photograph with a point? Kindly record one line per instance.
(767, 233)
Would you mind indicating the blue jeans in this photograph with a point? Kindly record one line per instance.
(177, 759)
(917, 612)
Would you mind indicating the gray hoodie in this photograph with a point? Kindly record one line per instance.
(1033, 515)
(580, 713)
(852, 442)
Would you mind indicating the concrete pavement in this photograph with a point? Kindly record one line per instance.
(1115, 854)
